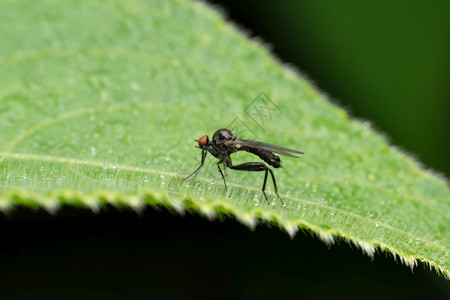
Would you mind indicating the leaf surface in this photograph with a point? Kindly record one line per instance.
(100, 102)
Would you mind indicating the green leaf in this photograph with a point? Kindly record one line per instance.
(101, 103)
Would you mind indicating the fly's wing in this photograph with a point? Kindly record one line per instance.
(268, 147)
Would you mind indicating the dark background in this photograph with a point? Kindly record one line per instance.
(384, 61)
(119, 255)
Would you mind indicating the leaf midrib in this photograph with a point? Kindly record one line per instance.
(53, 159)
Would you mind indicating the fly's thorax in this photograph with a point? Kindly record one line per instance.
(223, 135)
(221, 143)
(222, 148)
(218, 150)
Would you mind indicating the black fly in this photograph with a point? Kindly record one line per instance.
(224, 143)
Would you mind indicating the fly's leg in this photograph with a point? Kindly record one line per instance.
(221, 173)
(275, 185)
(204, 152)
(257, 166)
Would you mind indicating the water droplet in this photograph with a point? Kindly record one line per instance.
(135, 86)
(322, 201)
(256, 199)
(41, 168)
(377, 225)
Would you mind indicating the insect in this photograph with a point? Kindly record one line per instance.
(224, 143)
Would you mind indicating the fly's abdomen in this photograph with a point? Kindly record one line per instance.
(271, 159)
(266, 156)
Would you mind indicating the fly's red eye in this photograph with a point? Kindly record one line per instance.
(203, 141)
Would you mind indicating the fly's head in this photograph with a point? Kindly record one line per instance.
(203, 142)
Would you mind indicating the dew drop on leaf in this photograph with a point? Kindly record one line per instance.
(135, 86)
